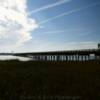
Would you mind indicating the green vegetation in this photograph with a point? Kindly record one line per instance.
(49, 80)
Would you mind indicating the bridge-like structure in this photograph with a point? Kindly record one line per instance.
(74, 55)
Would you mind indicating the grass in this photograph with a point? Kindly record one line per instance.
(49, 80)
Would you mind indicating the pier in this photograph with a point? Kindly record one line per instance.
(74, 55)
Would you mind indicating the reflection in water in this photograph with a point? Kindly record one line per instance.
(9, 57)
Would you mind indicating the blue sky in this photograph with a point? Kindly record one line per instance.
(63, 25)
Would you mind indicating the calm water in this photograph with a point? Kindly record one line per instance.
(8, 57)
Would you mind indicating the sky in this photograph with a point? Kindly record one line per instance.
(49, 25)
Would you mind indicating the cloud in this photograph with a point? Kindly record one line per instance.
(69, 13)
(51, 46)
(80, 31)
(15, 25)
(44, 45)
(59, 2)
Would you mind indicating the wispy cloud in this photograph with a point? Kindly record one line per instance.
(77, 30)
(43, 45)
(15, 25)
(69, 12)
(59, 2)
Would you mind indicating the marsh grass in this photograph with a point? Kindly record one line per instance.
(49, 80)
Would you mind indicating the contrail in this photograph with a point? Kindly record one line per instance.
(48, 6)
(69, 12)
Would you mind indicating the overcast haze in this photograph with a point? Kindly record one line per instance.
(45, 25)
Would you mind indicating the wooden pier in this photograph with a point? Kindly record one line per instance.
(74, 55)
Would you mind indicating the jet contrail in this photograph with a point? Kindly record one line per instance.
(48, 6)
(69, 12)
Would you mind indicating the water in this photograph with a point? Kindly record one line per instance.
(9, 57)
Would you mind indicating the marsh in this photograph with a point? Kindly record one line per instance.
(32, 79)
